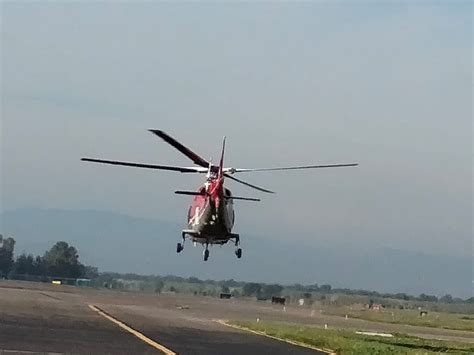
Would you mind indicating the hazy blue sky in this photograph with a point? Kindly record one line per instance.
(388, 85)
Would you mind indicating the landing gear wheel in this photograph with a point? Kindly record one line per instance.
(206, 254)
(179, 247)
(238, 252)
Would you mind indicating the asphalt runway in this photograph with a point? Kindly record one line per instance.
(44, 318)
(40, 318)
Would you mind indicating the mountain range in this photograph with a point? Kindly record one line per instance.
(122, 243)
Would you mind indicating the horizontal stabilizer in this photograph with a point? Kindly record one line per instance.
(242, 198)
(190, 193)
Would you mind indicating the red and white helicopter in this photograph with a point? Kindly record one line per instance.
(211, 215)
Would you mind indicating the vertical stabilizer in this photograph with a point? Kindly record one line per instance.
(221, 163)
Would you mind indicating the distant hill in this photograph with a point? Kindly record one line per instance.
(122, 243)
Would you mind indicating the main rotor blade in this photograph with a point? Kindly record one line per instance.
(146, 166)
(249, 185)
(186, 151)
(294, 168)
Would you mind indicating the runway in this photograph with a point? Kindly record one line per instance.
(39, 318)
(44, 318)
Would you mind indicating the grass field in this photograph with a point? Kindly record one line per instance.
(348, 342)
(406, 316)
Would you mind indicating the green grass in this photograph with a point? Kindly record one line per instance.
(348, 342)
(406, 316)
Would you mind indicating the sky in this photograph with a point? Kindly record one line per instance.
(384, 84)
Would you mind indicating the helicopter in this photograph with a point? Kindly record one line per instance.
(211, 215)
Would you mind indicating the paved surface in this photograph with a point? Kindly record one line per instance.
(53, 322)
(43, 318)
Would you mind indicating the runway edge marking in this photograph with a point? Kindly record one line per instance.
(292, 342)
(133, 331)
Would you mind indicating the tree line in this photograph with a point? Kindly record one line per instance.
(263, 290)
(62, 260)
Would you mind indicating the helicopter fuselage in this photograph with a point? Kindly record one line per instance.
(211, 215)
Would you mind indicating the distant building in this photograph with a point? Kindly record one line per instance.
(83, 282)
(376, 306)
(279, 300)
(70, 281)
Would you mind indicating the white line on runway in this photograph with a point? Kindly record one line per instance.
(139, 335)
(292, 342)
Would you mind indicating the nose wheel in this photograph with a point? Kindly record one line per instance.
(238, 252)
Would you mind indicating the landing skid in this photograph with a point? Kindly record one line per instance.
(190, 234)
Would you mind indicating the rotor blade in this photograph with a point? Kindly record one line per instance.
(241, 198)
(186, 151)
(249, 185)
(294, 168)
(146, 166)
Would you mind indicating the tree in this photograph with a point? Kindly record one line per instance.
(91, 272)
(251, 289)
(159, 286)
(325, 288)
(24, 265)
(427, 298)
(225, 289)
(194, 280)
(402, 296)
(268, 291)
(446, 299)
(230, 283)
(40, 266)
(62, 260)
(7, 247)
